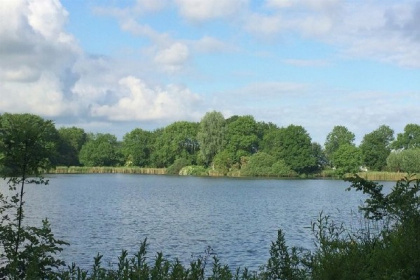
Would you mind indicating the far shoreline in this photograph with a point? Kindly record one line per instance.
(368, 175)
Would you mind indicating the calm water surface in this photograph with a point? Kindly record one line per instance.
(182, 216)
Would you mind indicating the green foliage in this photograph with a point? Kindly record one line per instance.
(210, 136)
(404, 160)
(241, 138)
(375, 147)
(263, 164)
(177, 140)
(347, 159)
(223, 162)
(101, 150)
(295, 149)
(28, 144)
(193, 170)
(321, 159)
(339, 136)
(136, 147)
(409, 139)
(177, 166)
(71, 140)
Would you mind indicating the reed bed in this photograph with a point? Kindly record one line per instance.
(386, 176)
(106, 169)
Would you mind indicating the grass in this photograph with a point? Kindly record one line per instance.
(105, 169)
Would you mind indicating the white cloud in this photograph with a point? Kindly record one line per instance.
(36, 55)
(142, 103)
(209, 44)
(199, 10)
(173, 58)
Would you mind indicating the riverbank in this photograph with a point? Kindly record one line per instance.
(372, 175)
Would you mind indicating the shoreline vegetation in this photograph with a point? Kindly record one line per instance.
(186, 171)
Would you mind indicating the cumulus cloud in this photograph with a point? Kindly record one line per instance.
(198, 10)
(36, 56)
(140, 102)
(173, 58)
(44, 71)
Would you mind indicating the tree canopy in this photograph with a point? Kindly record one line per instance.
(375, 147)
(28, 144)
(339, 136)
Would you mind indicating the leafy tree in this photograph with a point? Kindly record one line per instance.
(28, 146)
(101, 150)
(394, 161)
(375, 147)
(347, 159)
(320, 156)
(409, 139)
(295, 148)
(410, 160)
(177, 140)
(339, 136)
(71, 141)
(404, 160)
(241, 137)
(136, 147)
(210, 135)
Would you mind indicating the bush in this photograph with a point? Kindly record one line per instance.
(177, 166)
(193, 170)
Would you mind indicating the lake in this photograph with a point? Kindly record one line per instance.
(182, 216)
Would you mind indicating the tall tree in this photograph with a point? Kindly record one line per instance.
(347, 159)
(340, 135)
(375, 147)
(177, 140)
(295, 148)
(71, 141)
(136, 147)
(409, 139)
(28, 144)
(240, 137)
(210, 135)
(101, 150)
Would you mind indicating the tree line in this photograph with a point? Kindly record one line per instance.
(236, 144)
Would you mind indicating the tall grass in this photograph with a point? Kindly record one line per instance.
(384, 176)
(106, 169)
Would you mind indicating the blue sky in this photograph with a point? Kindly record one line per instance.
(112, 66)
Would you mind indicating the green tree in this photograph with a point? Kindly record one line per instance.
(409, 139)
(339, 136)
(240, 137)
(320, 156)
(410, 160)
(71, 141)
(28, 146)
(375, 147)
(210, 136)
(295, 148)
(177, 140)
(136, 147)
(394, 161)
(347, 159)
(101, 150)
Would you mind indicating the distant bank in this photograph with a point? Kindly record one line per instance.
(373, 175)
